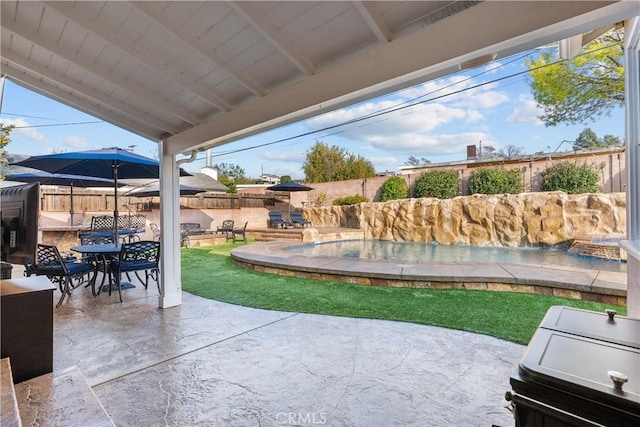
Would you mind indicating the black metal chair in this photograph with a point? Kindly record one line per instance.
(68, 274)
(136, 257)
(238, 233)
(100, 262)
(226, 227)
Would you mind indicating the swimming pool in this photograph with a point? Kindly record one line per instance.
(415, 252)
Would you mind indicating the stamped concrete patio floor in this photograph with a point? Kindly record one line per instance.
(207, 363)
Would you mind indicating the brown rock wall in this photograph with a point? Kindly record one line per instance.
(504, 220)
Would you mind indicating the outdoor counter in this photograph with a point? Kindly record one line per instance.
(26, 322)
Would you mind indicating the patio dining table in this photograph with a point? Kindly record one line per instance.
(101, 254)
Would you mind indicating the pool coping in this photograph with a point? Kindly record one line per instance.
(594, 285)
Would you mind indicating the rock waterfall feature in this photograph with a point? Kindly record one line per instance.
(527, 219)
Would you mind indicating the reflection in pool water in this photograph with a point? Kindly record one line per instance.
(415, 252)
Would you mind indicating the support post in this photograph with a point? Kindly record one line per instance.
(170, 263)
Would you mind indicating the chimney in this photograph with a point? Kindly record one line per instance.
(471, 152)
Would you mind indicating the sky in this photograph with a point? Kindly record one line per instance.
(435, 120)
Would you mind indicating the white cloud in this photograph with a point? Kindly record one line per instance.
(23, 129)
(76, 142)
(284, 156)
(527, 112)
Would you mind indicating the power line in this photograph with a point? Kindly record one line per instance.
(59, 124)
(404, 104)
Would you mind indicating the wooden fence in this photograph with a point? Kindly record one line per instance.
(98, 201)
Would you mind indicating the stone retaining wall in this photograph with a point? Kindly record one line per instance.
(527, 219)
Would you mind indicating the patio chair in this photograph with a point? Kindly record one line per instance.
(68, 274)
(298, 219)
(136, 257)
(226, 227)
(238, 233)
(276, 220)
(100, 262)
(155, 230)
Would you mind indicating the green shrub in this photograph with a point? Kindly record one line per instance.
(440, 184)
(571, 178)
(350, 200)
(496, 181)
(394, 188)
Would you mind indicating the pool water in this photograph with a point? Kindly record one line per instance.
(415, 252)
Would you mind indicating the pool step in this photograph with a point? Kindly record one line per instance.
(276, 234)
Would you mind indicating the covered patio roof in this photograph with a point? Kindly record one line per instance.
(199, 74)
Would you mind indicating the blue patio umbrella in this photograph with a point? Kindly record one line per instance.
(66, 180)
(110, 163)
(289, 187)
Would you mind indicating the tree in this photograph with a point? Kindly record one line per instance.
(588, 140)
(231, 175)
(285, 178)
(510, 152)
(584, 88)
(488, 152)
(414, 161)
(327, 164)
(5, 131)
(611, 141)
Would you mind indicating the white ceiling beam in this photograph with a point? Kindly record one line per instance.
(36, 84)
(131, 51)
(103, 73)
(47, 74)
(257, 21)
(434, 51)
(199, 46)
(374, 20)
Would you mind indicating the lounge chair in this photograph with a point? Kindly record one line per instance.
(276, 220)
(298, 219)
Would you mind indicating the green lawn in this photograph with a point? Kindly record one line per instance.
(209, 272)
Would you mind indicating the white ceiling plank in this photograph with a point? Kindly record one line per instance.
(40, 86)
(60, 50)
(373, 20)
(432, 52)
(47, 73)
(127, 48)
(257, 21)
(217, 59)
